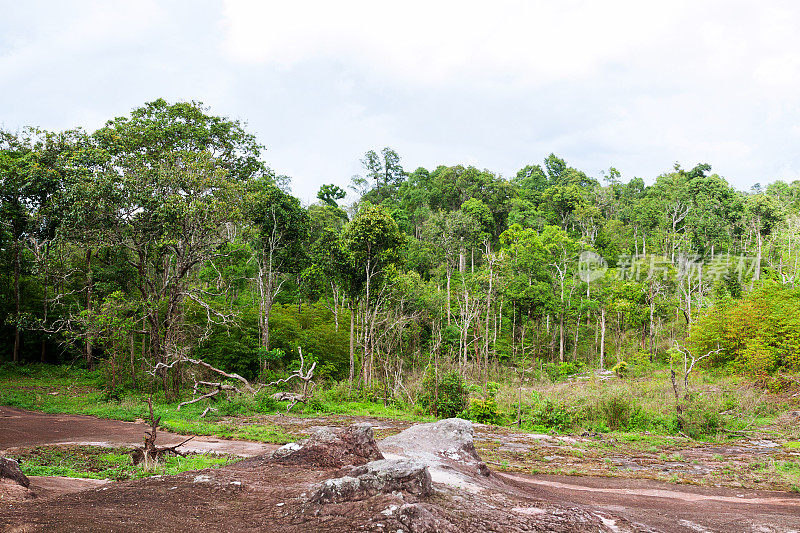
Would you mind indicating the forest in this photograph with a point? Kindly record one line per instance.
(162, 249)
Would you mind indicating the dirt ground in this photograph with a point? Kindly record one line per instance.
(256, 495)
(19, 427)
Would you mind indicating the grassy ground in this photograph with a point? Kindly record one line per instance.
(61, 389)
(97, 462)
(720, 404)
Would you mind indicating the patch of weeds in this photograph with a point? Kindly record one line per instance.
(255, 432)
(96, 462)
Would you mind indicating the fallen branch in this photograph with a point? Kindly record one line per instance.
(219, 387)
(207, 409)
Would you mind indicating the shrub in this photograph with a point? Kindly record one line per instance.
(315, 404)
(445, 397)
(485, 409)
(621, 369)
(700, 420)
(617, 411)
(238, 405)
(557, 371)
(265, 403)
(549, 414)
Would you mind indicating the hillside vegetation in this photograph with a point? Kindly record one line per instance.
(162, 255)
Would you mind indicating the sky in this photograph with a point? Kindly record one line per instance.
(637, 85)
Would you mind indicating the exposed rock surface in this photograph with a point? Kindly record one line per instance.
(11, 491)
(9, 469)
(332, 447)
(383, 476)
(451, 438)
(419, 519)
(446, 447)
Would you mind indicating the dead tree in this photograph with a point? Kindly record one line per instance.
(305, 376)
(212, 388)
(689, 362)
(150, 454)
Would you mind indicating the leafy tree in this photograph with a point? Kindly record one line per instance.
(329, 193)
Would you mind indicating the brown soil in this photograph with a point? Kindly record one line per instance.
(19, 427)
(256, 495)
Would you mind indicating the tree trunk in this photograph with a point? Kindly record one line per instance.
(602, 338)
(89, 297)
(132, 342)
(757, 275)
(352, 343)
(43, 354)
(16, 300)
(652, 330)
(448, 296)
(488, 315)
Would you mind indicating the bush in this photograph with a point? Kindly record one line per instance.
(699, 420)
(446, 397)
(549, 414)
(485, 409)
(621, 369)
(315, 404)
(238, 405)
(265, 403)
(617, 412)
(557, 371)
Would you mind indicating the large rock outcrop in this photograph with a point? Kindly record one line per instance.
(383, 476)
(446, 447)
(332, 448)
(449, 439)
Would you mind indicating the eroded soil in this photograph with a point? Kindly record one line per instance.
(256, 495)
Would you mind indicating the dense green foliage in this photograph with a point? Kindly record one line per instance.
(759, 332)
(163, 237)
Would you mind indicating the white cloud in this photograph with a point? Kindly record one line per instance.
(432, 42)
(633, 84)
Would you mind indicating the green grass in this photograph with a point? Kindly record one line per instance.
(97, 462)
(638, 409)
(54, 389)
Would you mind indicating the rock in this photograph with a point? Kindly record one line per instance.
(383, 476)
(9, 469)
(418, 519)
(332, 448)
(451, 439)
(446, 447)
(11, 491)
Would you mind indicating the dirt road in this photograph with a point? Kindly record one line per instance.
(19, 427)
(668, 507)
(644, 504)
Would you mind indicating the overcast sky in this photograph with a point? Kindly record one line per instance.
(636, 85)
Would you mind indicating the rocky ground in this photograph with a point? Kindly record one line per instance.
(427, 478)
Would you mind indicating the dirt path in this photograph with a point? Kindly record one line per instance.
(19, 427)
(666, 507)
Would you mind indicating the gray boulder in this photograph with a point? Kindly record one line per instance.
(332, 448)
(449, 439)
(383, 476)
(9, 469)
(418, 519)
